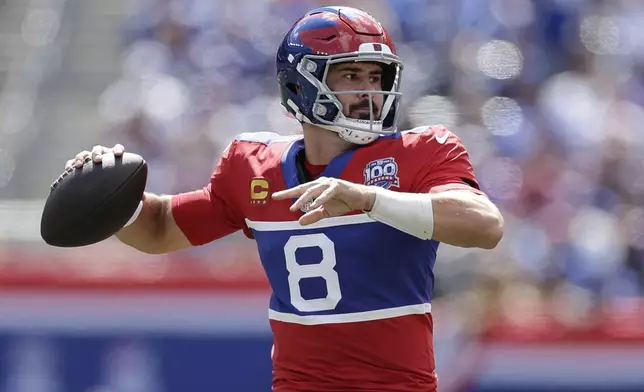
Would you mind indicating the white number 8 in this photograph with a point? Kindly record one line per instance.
(323, 269)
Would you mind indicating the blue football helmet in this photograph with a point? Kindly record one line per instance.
(327, 36)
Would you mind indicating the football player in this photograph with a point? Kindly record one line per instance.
(347, 216)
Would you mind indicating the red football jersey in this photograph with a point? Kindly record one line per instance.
(351, 302)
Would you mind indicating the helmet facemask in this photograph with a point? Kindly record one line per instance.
(327, 109)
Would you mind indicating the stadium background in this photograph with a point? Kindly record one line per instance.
(547, 96)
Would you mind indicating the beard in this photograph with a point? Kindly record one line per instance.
(362, 115)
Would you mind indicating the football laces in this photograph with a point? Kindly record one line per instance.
(65, 174)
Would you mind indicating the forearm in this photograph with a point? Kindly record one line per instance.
(458, 218)
(146, 233)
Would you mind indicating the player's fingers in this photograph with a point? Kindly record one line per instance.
(325, 196)
(118, 149)
(313, 216)
(292, 192)
(80, 158)
(82, 155)
(69, 164)
(97, 153)
(309, 195)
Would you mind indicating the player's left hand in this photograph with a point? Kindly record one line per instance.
(328, 197)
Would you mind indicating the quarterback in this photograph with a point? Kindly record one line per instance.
(347, 216)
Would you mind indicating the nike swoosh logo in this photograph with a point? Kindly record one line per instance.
(442, 139)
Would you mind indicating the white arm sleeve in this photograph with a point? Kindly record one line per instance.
(411, 213)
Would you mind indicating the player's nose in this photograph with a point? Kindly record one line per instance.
(367, 86)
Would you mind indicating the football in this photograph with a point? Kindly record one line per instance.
(90, 204)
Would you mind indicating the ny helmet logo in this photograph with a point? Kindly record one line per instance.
(382, 173)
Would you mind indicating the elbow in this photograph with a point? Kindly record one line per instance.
(492, 232)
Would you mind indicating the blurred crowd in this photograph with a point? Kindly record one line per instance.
(547, 96)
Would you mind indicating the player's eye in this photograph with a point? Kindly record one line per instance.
(350, 76)
(375, 79)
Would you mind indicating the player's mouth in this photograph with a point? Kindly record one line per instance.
(364, 114)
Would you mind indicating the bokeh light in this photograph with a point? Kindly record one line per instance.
(605, 35)
(500, 59)
(40, 27)
(502, 116)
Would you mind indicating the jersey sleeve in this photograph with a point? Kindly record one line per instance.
(209, 213)
(447, 166)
